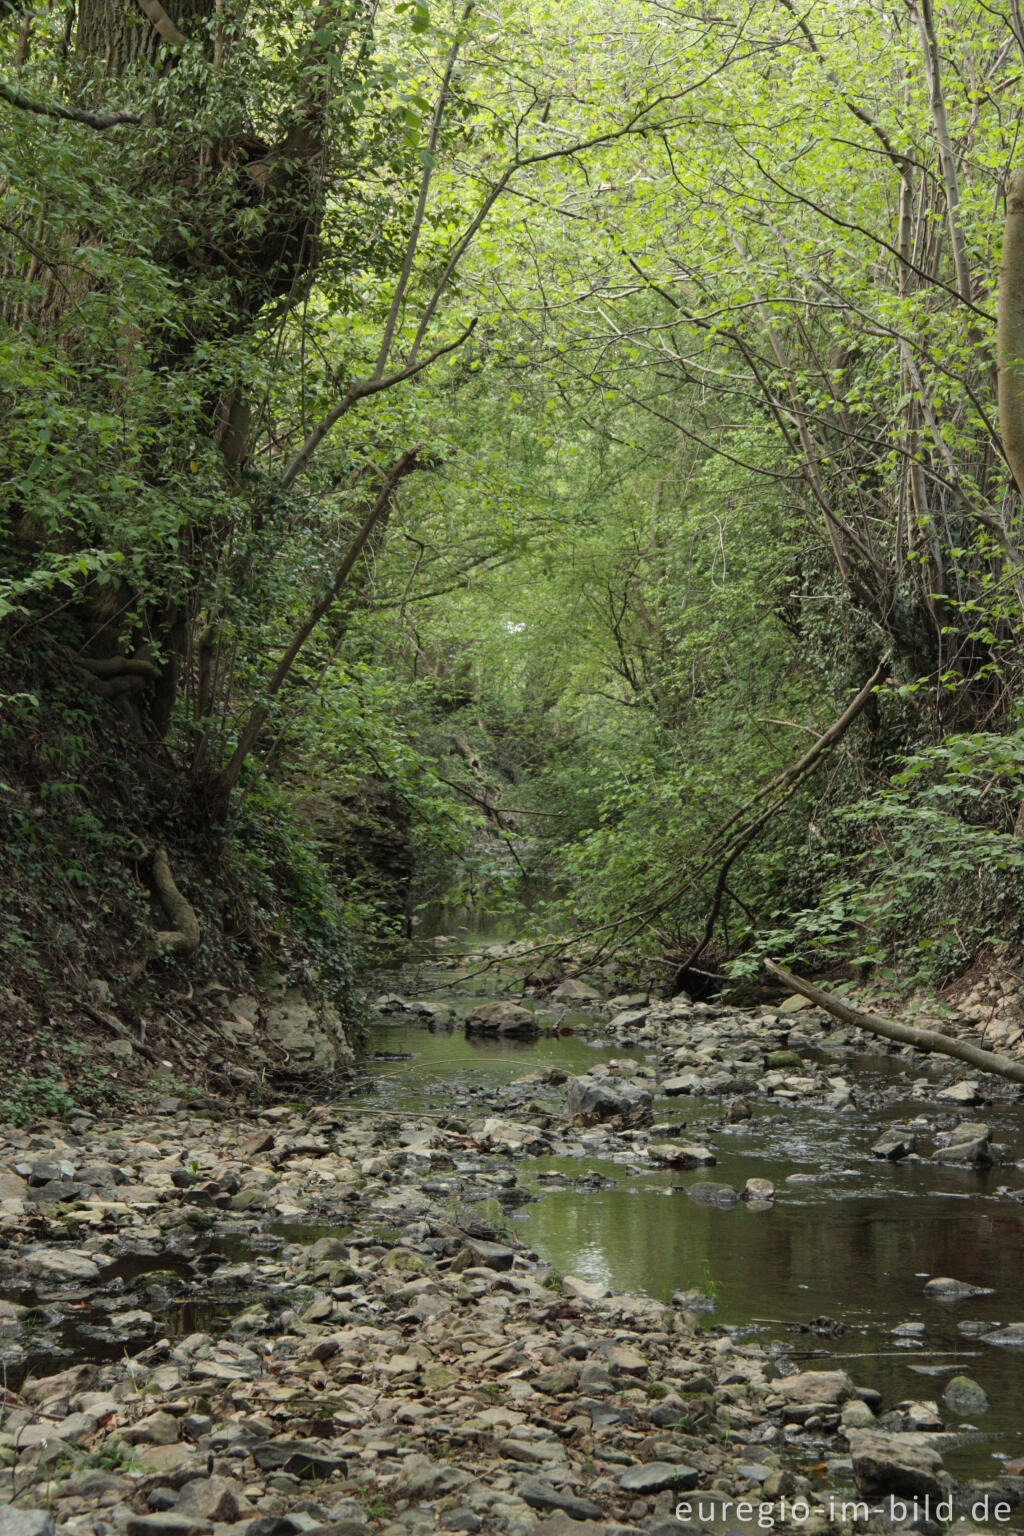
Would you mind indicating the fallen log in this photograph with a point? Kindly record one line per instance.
(905, 1034)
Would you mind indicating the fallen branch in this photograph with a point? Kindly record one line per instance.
(117, 1028)
(183, 938)
(889, 1029)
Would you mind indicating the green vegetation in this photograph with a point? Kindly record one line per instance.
(456, 453)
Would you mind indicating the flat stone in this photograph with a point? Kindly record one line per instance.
(964, 1092)
(490, 1255)
(576, 991)
(684, 1082)
(830, 1388)
(759, 1191)
(501, 1018)
(543, 1496)
(65, 1264)
(167, 1523)
(297, 1457)
(25, 1522)
(943, 1288)
(682, 1154)
(593, 1099)
(655, 1476)
(1012, 1334)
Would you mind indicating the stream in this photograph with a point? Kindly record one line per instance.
(828, 1273)
(835, 1267)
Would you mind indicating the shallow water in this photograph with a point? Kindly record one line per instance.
(851, 1239)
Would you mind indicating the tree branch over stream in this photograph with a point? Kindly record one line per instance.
(889, 1029)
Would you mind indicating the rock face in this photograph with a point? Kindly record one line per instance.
(502, 1018)
(905, 1464)
(313, 1038)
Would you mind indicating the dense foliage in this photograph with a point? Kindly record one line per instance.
(536, 421)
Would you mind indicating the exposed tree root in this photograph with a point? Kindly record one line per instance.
(889, 1029)
(183, 938)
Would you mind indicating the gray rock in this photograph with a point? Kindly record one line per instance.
(830, 1388)
(906, 1464)
(593, 1099)
(968, 1143)
(943, 1288)
(299, 1457)
(501, 1018)
(208, 1499)
(25, 1522)
(490, 1255)
(681, 1154)
(964, 1092)
(654, 1476)
(576, 991)
(894, 1145)
(684, 1082)
(165, 1523)
(1012, 1334)
(542, 1496)
(158, 1429)
(964, 1396)
(706, 1193)
(759, 1191)
(63, 1264)
(312, 1036)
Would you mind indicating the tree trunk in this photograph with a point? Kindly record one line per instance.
(1010, 332)
(120, 34)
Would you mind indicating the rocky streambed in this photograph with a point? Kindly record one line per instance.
(578, 1266)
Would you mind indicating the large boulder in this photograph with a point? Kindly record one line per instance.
(508, 1020)
(593, 1099)
(904, 1464)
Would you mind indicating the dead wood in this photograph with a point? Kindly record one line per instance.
(921, 1039)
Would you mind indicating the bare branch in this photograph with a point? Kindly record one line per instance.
(98, 120)
(361, 391)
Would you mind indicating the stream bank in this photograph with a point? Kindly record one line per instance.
(443, 1302)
